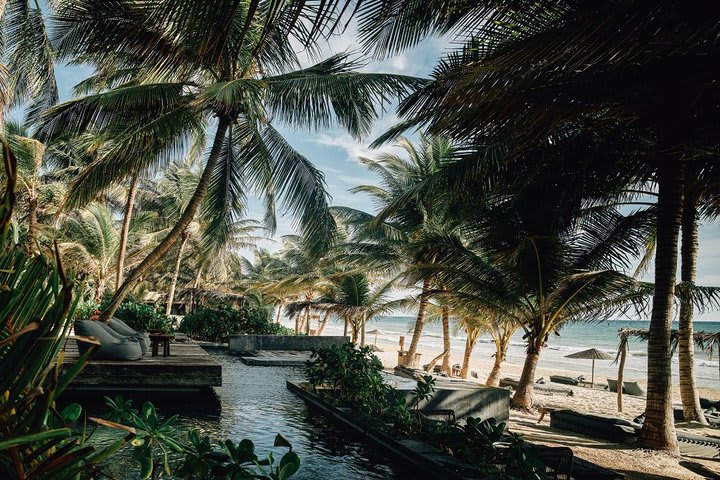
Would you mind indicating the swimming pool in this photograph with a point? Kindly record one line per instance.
(255, 404)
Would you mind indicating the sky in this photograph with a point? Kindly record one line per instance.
(336, 153)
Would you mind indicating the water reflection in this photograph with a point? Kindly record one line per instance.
(254, 403)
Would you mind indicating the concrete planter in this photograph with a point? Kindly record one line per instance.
(240, 344)
(426, 460)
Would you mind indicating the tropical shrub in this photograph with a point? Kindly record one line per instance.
(157, 438)
(138, 315)
(37, 303)
(352, 377)
(215, 324)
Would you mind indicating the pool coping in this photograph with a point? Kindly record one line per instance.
(420, 455)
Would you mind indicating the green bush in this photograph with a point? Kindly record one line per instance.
(139, 316)
(217, 323)
(352, 377)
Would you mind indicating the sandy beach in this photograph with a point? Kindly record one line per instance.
(635, 463)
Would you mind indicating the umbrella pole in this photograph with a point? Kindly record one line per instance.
(592, 379)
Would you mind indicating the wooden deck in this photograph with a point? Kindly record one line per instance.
(188, 368)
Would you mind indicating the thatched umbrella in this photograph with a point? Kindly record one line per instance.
(591, 354)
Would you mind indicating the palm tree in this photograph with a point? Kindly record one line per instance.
(522, 264)
(198, 67)
(29, 153)
(28, 78)
(388, 242)
(517, 71)
(351, 298)
(700, 196)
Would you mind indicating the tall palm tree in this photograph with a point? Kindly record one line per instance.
(517, 71)
(520, 261)
(28, 77)
(700, 197)
(388, 242)
(225, 66)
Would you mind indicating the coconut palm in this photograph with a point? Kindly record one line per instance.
(520, 262)
(516, 72)
(90, 244)
(227, 67)
(700, 198)
(352, 298)
(387, 243)
(28, 77)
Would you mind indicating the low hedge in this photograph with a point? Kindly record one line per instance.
(217, 323)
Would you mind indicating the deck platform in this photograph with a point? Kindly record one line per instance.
(188, 368)
(276, 358)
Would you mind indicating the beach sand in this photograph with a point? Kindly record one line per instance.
(635, 463)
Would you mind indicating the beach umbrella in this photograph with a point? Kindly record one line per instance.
(375, 332)
(591, 354)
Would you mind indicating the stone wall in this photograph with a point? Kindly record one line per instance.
(238, 344)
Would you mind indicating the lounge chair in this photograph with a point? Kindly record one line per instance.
(113, 346)
(612, 429)
(124, 329)
(633, 388)
(508, 382)
(566, 380)
(629, 387)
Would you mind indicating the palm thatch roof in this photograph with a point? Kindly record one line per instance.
(591, 354)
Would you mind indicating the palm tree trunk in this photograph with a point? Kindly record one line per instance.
(99, 288)
(127, 217)
(33, 230)
(692, 411)
(493, 379)
(323, 323)
(420, 322)
(523, 398)
(182, 224)
(445, 366)
(469, 345)
(176, 273)
(345, 327)
(278, 317)
(658, 431)
(523, 395)
(307, 321)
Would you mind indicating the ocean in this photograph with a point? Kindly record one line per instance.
(573, 338)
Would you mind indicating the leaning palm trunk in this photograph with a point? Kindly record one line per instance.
(323, 323)
(127, 217)
(278, 317)
(469, 346)
(445, 366)
(420, 323)
(176, 273)
(523, 394)
(182, 224)
(501, 339)
(692, 411)
(658, 431)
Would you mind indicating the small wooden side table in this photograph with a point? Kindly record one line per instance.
(160, 338)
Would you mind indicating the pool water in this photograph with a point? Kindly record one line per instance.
(255, 404)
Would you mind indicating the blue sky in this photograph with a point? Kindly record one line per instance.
(336, 153)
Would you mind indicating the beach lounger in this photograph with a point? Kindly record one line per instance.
(629, 387)
(566, 380)
(508, 382)
(607, 428)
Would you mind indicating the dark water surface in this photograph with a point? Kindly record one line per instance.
(255, 404)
